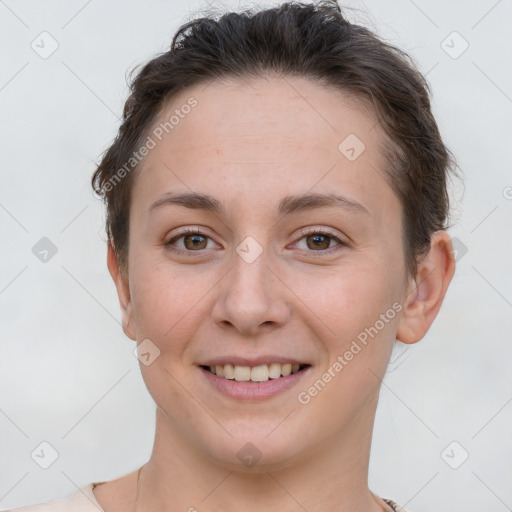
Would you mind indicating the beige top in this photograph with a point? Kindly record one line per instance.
(84, 500)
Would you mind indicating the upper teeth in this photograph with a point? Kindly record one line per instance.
(256, 373)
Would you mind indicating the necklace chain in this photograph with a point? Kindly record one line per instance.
(391, 503)
(137, 493)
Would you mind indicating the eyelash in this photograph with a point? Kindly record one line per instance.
(195, 231)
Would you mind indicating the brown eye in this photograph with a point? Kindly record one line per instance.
(193, 241)
(319, 241)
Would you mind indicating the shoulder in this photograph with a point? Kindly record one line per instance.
(82, 500)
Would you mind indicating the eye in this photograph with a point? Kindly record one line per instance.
(320, 240)
(196, 241)
(192, 238)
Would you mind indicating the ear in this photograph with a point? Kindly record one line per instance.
(123, 292)
(424, 296)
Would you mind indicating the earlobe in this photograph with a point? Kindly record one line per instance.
(127, 315)
(123, 293)
(426, 292)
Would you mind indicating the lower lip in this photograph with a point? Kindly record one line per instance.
(248, 390)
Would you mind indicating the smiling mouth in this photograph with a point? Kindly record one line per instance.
(261, 373)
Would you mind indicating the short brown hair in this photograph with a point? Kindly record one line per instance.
(309, 40)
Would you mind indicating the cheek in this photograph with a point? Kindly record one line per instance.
(167, 302)
(166, 308)
(348, 308)
(347, 299)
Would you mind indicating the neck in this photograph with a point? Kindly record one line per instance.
(332, 476)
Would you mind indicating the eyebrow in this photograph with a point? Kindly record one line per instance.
(287, 205)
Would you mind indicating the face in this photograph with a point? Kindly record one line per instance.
(254, 283)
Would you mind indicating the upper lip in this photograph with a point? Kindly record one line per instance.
(251, 361)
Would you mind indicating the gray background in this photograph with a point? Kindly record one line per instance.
(67, 372)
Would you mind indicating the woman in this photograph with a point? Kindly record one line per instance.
(276, 218)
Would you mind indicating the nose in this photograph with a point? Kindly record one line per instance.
(252, 297)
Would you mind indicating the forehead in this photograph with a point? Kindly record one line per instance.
(300, 112)
(265, 138)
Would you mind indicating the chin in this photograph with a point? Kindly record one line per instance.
(255, 448)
